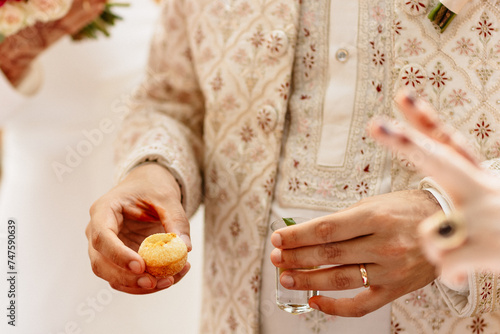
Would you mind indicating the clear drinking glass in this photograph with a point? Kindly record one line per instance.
(291, 301)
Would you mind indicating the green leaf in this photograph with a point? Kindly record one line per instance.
(289, 221)
(101, 23)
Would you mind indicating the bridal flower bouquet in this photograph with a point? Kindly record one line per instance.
(18, 14)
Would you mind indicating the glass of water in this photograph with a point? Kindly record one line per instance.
(291, 301)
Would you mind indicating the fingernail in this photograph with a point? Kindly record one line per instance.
(135, 267)
(287, 281)
(187, 240)
(165, 283)
(145, 282)
(276, 256)
(314, 305)
(384, 129)
(411, 97)
(276, 240)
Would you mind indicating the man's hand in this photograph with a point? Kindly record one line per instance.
(379, 232)
(147, 201)
(19, 50)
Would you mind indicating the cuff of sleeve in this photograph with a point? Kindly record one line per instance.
(444, 200)
(458, 298)
(32, 82)
(186, 173)
(13, 97)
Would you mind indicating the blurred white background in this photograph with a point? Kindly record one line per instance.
(57, 160)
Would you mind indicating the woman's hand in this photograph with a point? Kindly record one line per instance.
(470, 238)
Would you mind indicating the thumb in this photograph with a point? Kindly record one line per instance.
(174, 220)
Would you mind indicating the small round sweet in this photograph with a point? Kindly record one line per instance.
(165, 254)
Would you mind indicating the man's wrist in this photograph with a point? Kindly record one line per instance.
(155, 162)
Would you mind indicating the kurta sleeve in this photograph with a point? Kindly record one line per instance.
(482, 291)
(164, 119)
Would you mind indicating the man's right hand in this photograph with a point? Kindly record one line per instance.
(147, 201)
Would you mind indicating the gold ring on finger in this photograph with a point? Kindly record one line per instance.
(364, 275)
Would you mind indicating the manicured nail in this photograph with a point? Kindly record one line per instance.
(287, 281)
(145, 282)
(411, 97)
(165, 283)
(385, 129)
(276, 240)
(135, 266)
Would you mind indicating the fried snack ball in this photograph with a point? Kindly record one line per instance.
(165, 254)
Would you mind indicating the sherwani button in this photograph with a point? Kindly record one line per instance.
(267, 118)
(415, 7)
(277, 43)
(342, 55)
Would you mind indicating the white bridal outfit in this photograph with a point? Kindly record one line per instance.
(57, 161)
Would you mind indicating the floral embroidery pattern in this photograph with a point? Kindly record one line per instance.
(464, 46)
(397, 27)
(362, 188)
(232, 323)
(413, 47)
(485, 27)
(378, 58)
(301, 182)
(413, 77)
(457, 97)
(415, 5)
(482, 128)
(317, 322)
(417, 298)
(217, 82)
(396, 326)
(478, 325)
(255, 281)
(247, 133)
(438, 78)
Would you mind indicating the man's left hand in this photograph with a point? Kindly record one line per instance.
(379, 232)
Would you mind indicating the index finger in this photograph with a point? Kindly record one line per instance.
(432, 158)
(321, 230)
(174, 219)
(103, 237)
(422, 116)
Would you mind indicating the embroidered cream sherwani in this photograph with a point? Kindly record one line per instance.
(225, 75)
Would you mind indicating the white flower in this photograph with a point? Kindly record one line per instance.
(11, 18)
(15, 16)
(49, 10)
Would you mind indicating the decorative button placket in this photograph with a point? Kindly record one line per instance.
(277, 43)
(267, 118)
